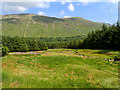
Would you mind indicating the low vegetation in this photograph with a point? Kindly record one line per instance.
(5, 51)
(60, 68)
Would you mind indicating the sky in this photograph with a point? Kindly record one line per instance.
(119, 11)
(106, 12)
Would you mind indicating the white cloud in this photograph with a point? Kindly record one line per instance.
(62, 12)
(66, 16)
(98, 0)
(43, 5)
(22, 9)
(18, 7)
(63, 2)
(29, 0)
(60, 0)
(84, 3)
(41, 13)
(114, 1)
(71, 7)
(54, 16)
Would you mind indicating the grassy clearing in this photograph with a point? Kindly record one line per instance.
(59, 68)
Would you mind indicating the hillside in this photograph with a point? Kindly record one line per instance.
(30, 25)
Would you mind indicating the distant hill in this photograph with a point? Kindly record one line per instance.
(31, 25)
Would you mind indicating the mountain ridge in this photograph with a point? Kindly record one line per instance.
(54, 17)
(32, 25)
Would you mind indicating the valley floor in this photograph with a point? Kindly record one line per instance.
(60, 68)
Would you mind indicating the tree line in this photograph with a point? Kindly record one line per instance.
(21, 44)
(106, 38)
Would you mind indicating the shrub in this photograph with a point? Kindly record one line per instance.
(116, 57)
(5, 51)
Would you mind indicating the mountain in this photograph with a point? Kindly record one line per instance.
(31, 25)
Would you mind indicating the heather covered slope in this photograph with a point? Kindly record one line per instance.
(30, 25)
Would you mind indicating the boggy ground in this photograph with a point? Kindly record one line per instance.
(60, 68)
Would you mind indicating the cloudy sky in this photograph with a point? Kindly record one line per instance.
(96, 11)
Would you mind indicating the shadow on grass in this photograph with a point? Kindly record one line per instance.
(105, 51)
(101, 52)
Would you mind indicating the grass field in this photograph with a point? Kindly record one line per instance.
(60, 68)
(26, 25)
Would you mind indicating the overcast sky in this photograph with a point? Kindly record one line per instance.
(96, 11)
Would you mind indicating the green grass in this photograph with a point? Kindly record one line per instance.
(56, 28)
(98, 53)
(59, 68)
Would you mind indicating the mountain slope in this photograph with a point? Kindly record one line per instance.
(30, 25)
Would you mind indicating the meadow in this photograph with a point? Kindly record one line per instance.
(61, 68)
